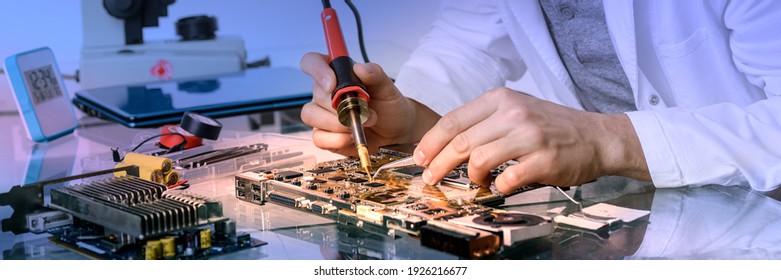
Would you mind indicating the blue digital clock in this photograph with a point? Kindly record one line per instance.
(40, 93)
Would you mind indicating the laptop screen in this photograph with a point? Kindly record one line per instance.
(164, 102)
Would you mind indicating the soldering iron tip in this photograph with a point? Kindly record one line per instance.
(363, 155)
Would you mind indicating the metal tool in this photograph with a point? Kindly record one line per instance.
(609, 222)
(349, 98)
(402, 162)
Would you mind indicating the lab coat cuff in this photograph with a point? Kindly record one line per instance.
(662, 162)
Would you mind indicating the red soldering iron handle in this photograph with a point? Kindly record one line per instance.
(333, 34)
(347, 83)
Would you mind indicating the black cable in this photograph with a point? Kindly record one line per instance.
(172, 149)
(360, 28)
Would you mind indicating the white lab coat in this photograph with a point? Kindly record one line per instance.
(705, 75)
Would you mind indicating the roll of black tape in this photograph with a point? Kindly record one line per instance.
(201, 126)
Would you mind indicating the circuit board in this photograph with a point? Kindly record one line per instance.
(128, 218)
(87, 239)
(455, 216)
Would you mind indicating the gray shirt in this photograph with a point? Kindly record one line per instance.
(579, 31)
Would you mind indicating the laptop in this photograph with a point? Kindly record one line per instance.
(156, 104)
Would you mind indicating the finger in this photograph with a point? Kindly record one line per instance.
(316, 66)
(450, 125)
(332, 141)
(521, 174)
(323, 99)
(325, 118)
(487, 157)
(317, 117)
(378, 84)
(349, 151)
(460, 148)
(372, 120)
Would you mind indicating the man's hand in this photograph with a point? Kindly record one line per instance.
(393, 118)
(553, 144)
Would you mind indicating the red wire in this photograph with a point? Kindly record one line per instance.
(177, 184)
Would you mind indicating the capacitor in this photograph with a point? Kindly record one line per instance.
(147, 161)
(152, 175)
(171, 178)
(205, 238)
(169, 247)
(120, 173)
(153, 250)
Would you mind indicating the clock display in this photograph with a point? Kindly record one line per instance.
(42, 84)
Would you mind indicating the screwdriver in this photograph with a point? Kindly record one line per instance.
(349, 98)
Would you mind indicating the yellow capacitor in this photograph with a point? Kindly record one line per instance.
(120, 173)
(206, 238)
(150, 162)
(171, 178)
(169, 247)
(152, 175)
(153, 250)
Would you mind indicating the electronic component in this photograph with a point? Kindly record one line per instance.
(320, 171)
(513, 227)
(41, 222)
(397, 201)
(144, 172)
(131, 218)
(358, 180)
(205, 238)
(153, 250)
(151, 168)
(171, 178)
(289, 174)
(317, 181)
(337, 178)
(147, 161)
(460, 241)
(41, 96)
(374, 184)
(411, 171)
(168, 247)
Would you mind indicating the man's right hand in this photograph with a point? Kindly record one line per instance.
(393, 118)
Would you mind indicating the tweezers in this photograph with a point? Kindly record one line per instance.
(401, 162)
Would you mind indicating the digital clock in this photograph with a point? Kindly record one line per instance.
(40, 93)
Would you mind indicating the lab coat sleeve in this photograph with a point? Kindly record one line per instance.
(467, 52)
(724, 143)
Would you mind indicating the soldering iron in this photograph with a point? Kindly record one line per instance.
(349, 98)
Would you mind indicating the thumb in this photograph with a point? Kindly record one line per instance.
(377, 83)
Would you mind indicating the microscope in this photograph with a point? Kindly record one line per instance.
(115, 53)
